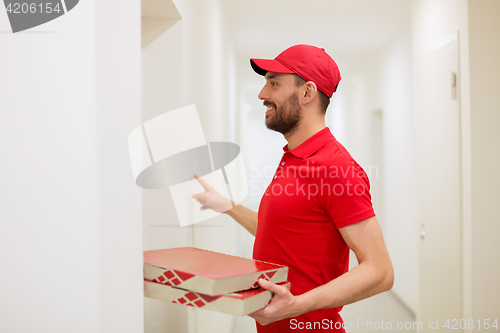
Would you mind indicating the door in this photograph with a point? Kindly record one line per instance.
(438, 146)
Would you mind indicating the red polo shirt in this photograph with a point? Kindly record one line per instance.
(317, 189)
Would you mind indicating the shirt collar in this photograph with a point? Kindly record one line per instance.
(312, 145)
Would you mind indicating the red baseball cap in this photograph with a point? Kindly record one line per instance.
(309, 62)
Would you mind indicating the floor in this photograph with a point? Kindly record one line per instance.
(381, 313)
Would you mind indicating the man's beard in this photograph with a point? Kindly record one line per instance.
(286, 119)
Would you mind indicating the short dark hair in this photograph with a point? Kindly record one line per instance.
(324, 100)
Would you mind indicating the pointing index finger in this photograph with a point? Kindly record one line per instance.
(202, 182)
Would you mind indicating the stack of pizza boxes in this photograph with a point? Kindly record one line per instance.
(209, 280)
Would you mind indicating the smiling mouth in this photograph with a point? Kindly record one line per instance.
(269, 109)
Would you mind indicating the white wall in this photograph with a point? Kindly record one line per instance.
(70, 213)
(49, 196)
(398, 184)
(118, 112)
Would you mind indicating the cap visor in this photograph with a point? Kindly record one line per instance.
(262, 66)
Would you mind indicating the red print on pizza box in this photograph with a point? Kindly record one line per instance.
(208, 272)
(238, 304)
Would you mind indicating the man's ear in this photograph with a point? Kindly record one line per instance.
(310, 92)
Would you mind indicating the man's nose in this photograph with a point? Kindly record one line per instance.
(263, 95)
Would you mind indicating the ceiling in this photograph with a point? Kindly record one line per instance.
(345, 28)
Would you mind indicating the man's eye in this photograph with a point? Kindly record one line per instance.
(273, 84)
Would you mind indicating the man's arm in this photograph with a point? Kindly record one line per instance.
(247, 218)
(373, 275)
(211, 199)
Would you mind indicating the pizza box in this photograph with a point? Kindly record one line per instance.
(238, 304)
(208, 272)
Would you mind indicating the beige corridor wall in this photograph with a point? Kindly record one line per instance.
(484, 42)
(477, 22)
(434, 21)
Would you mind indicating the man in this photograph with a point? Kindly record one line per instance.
(317, 205)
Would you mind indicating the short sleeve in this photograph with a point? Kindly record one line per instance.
(345, 194)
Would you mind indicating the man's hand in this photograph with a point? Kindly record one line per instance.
(283, 304)
(373, 275)
(211, 199)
